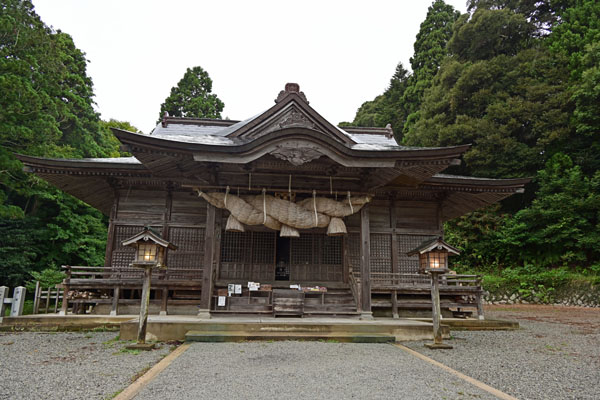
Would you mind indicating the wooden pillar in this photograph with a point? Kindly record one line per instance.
(345, 264)
(56, 300)
(365, 263)
(209, 258)
(164, 299)
(393, 222)
(436, 309)
(65, 303)
(395, 304)
(143, 323)
(436, 314)
(114, 307)
(111, 230)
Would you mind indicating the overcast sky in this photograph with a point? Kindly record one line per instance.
(342, 53)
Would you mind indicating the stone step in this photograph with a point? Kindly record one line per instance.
(175, 328)
(239, 336)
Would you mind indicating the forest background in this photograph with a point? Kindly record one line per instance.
(517, 79)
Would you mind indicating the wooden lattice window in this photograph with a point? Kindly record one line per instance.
(316, 257)
(406, 243)
(236, 247)
(381, 253)
(247, 256)
(122, 256)
(353, 251)
(189, 254)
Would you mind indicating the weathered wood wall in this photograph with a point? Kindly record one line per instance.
(180, 217)
(396, 227)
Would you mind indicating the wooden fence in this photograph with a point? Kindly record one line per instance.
(47, 300)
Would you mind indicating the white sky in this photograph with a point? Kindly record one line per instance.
(342, 53)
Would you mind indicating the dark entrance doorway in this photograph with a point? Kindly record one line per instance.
(282, 266)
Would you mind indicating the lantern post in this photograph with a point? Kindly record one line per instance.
(149, 254)
(433, 260)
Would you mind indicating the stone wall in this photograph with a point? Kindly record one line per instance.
(574, 294)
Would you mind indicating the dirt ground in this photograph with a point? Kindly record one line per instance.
(586, 319)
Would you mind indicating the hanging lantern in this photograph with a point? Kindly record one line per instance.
(150, 248)
(433, 255)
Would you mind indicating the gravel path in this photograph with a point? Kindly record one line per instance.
(555, 354)
(305, 370)
(66, 365)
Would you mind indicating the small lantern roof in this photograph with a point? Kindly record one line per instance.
(146, 235)
(433, 244)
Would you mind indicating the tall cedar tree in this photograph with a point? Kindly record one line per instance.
(192, 97)
(501, 91)
(399, 104)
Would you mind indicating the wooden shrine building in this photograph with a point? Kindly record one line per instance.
(292, 200)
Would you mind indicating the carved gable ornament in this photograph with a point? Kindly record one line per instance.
(296, 153)
(290, 111)
(292, 117)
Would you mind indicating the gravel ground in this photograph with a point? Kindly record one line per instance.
(68, 365)
(307, 370)
(555, 354)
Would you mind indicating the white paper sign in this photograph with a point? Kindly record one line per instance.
(221, 302)
(238, 289)
(230, 289)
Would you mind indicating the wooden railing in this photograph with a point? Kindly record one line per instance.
(43, 299)
(79, 272)
(384, 280)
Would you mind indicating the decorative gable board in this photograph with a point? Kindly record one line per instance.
(290, 111)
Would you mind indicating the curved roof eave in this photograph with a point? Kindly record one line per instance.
(125, 163)
(444, 179)
(279, 136)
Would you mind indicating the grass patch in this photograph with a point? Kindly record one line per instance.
(115, 394)
(135, 352)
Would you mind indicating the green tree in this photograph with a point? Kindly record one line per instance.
(490, 33)
(124, 125)
(192, 97)
(46, 109)
(576, 37)
(430, 49)
(562, 225)
(399, 104)
(513, 109)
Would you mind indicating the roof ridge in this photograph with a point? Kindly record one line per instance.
(195, 121)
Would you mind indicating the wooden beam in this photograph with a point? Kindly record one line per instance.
(114, 308)
(393, 216)
(209, 257)
(111, 230)
(365, 262)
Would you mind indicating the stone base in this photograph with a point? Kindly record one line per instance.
(438, 346)
(141, 346)
(366, 315)
(204, 313)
